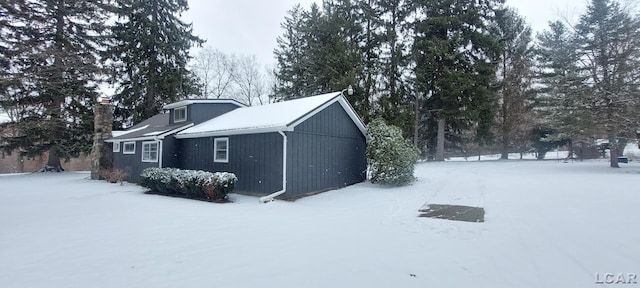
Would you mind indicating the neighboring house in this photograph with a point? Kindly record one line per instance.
(296, 147)
(14, 162)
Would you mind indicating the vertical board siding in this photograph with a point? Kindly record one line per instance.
(132, 163)
(170, 152)
(201, 112)
(256, 159)
(326, 151)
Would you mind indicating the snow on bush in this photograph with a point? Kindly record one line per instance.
(189, 183)
(391, 157)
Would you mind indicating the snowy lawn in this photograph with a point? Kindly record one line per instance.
(548, 224)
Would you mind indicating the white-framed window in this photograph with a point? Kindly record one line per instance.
(180, 114)
(129, 148)
(116, 146)
(150, 151)
(221, 150)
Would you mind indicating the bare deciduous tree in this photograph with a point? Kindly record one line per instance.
(215, 71)
(229, 76)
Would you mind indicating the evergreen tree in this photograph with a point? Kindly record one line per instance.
(319, 52)
(515, 76)
(394, 102)
(561, 87)
(369, 17)
(455, 56)
(608, 43)
(51, 73)
(391, 158)
(290, 56)
(149, 55)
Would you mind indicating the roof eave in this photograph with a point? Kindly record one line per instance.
(151, 137)
(234, 132)
(202, 101)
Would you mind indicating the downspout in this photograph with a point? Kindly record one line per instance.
(160, 151)
(271, 196)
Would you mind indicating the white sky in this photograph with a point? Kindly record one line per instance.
(252, 26)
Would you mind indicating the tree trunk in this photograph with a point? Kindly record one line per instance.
(53, 163)
(416, 120)
(20, 162)
(613, 152)
(440, 144)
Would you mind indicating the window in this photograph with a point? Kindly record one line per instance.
(180, 114)
(116, 146)
(221, 150)
(150, 151)
(129, 148)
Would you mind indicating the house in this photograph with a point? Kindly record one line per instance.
(295, 148)
(151, 143)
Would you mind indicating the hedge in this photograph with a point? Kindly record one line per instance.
(189, 183)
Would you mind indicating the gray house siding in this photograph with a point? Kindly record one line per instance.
(170, 152)
(131, 163)
(326, 151)
(256, 159)
(201, 112)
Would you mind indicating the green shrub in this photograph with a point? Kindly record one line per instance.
(391, 158)
(189, 183)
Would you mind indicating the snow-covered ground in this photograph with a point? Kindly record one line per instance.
(631, 151)
(548, 224)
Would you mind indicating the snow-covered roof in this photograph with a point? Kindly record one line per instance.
(156, 127)
(201, 101)
(281, 116)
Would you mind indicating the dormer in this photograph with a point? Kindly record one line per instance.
(199, 110)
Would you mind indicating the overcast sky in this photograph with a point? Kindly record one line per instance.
(252, 26)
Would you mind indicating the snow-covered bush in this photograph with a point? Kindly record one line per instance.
(189, 183)
(391, 158)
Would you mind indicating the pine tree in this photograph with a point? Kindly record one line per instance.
(52, 73)
(515, 76)
(149, 55)
(608, 43)
(454, 56)
(290, 56)
(561, 87)
(395, 102)
(319, 52)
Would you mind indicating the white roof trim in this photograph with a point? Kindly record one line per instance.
(284, 127)
(202, 101)
(154, 137)
(233, 132)
(120, 133)
(345, 105)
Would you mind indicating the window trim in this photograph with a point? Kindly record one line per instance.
(124, 145)
(145, 143)
(116, 147)
(175, 119)
(215, 150)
